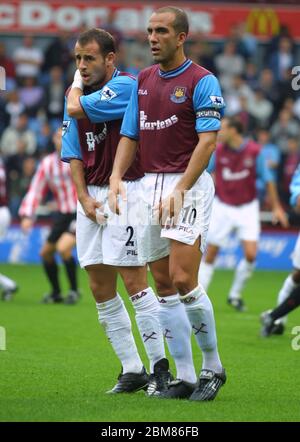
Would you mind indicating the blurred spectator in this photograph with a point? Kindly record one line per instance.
(267, 83)
(138, 49)
(59, 52)
(44, 140)
(229, 63)
(260, 108)
(54, 94)
(28, 59)
(282, 59)
(31, 95)
(251, 74)
(18, 138)
(232, 96)
(201, 53)
(246, 44)
(284, 128)
(13, 108)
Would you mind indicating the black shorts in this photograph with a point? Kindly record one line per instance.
(63, 222)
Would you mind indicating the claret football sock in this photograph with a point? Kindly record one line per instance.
(288, 305)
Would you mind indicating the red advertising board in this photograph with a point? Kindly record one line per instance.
(214, 20)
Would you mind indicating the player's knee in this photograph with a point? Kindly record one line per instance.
(250, 257)
(64, 253)
(181, 280)
(134, 285)
(45, 254)
(164, 285)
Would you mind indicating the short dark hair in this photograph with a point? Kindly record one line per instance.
(236, 124)
(105, 40)
(181, 22)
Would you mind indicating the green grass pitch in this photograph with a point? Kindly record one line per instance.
(58, 363)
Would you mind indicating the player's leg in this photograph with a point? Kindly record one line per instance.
(146, 307)
(248, 230)
(243, 272)
(207, 266)
(220, 227)
(112, 314)
(7, 285)
(184, 264)
(176, 327)
(47, 254)
(188, 241)
(293, 280)
(269, 318)
(116, 324)
(290, 283)
(64, 247)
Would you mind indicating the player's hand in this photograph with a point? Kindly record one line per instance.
(170, 207)
(77, 81)
(26, 224)
(116, 189)
(279, 215)
(90, 207)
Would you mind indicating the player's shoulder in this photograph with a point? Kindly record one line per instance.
(253, 146)
(146, 72)
(199, 72)
(123, 78)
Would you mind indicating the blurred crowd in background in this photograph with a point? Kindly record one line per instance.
(256, 79)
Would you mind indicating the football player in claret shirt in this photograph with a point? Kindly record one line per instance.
(174, 115)
(237, 163)
(92, 124)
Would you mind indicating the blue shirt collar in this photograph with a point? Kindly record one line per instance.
(175, 72)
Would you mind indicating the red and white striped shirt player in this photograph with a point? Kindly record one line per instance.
(54, 175)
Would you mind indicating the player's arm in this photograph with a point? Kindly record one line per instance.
(71, 153)
(106, 104)
(265, 173)
(126, 151)
(74, 108)
(88, 203)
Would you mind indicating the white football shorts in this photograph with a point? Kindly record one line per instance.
(243, 219)
(193, 220)
(112, 243)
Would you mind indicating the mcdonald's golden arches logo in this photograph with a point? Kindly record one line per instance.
(263, 22)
